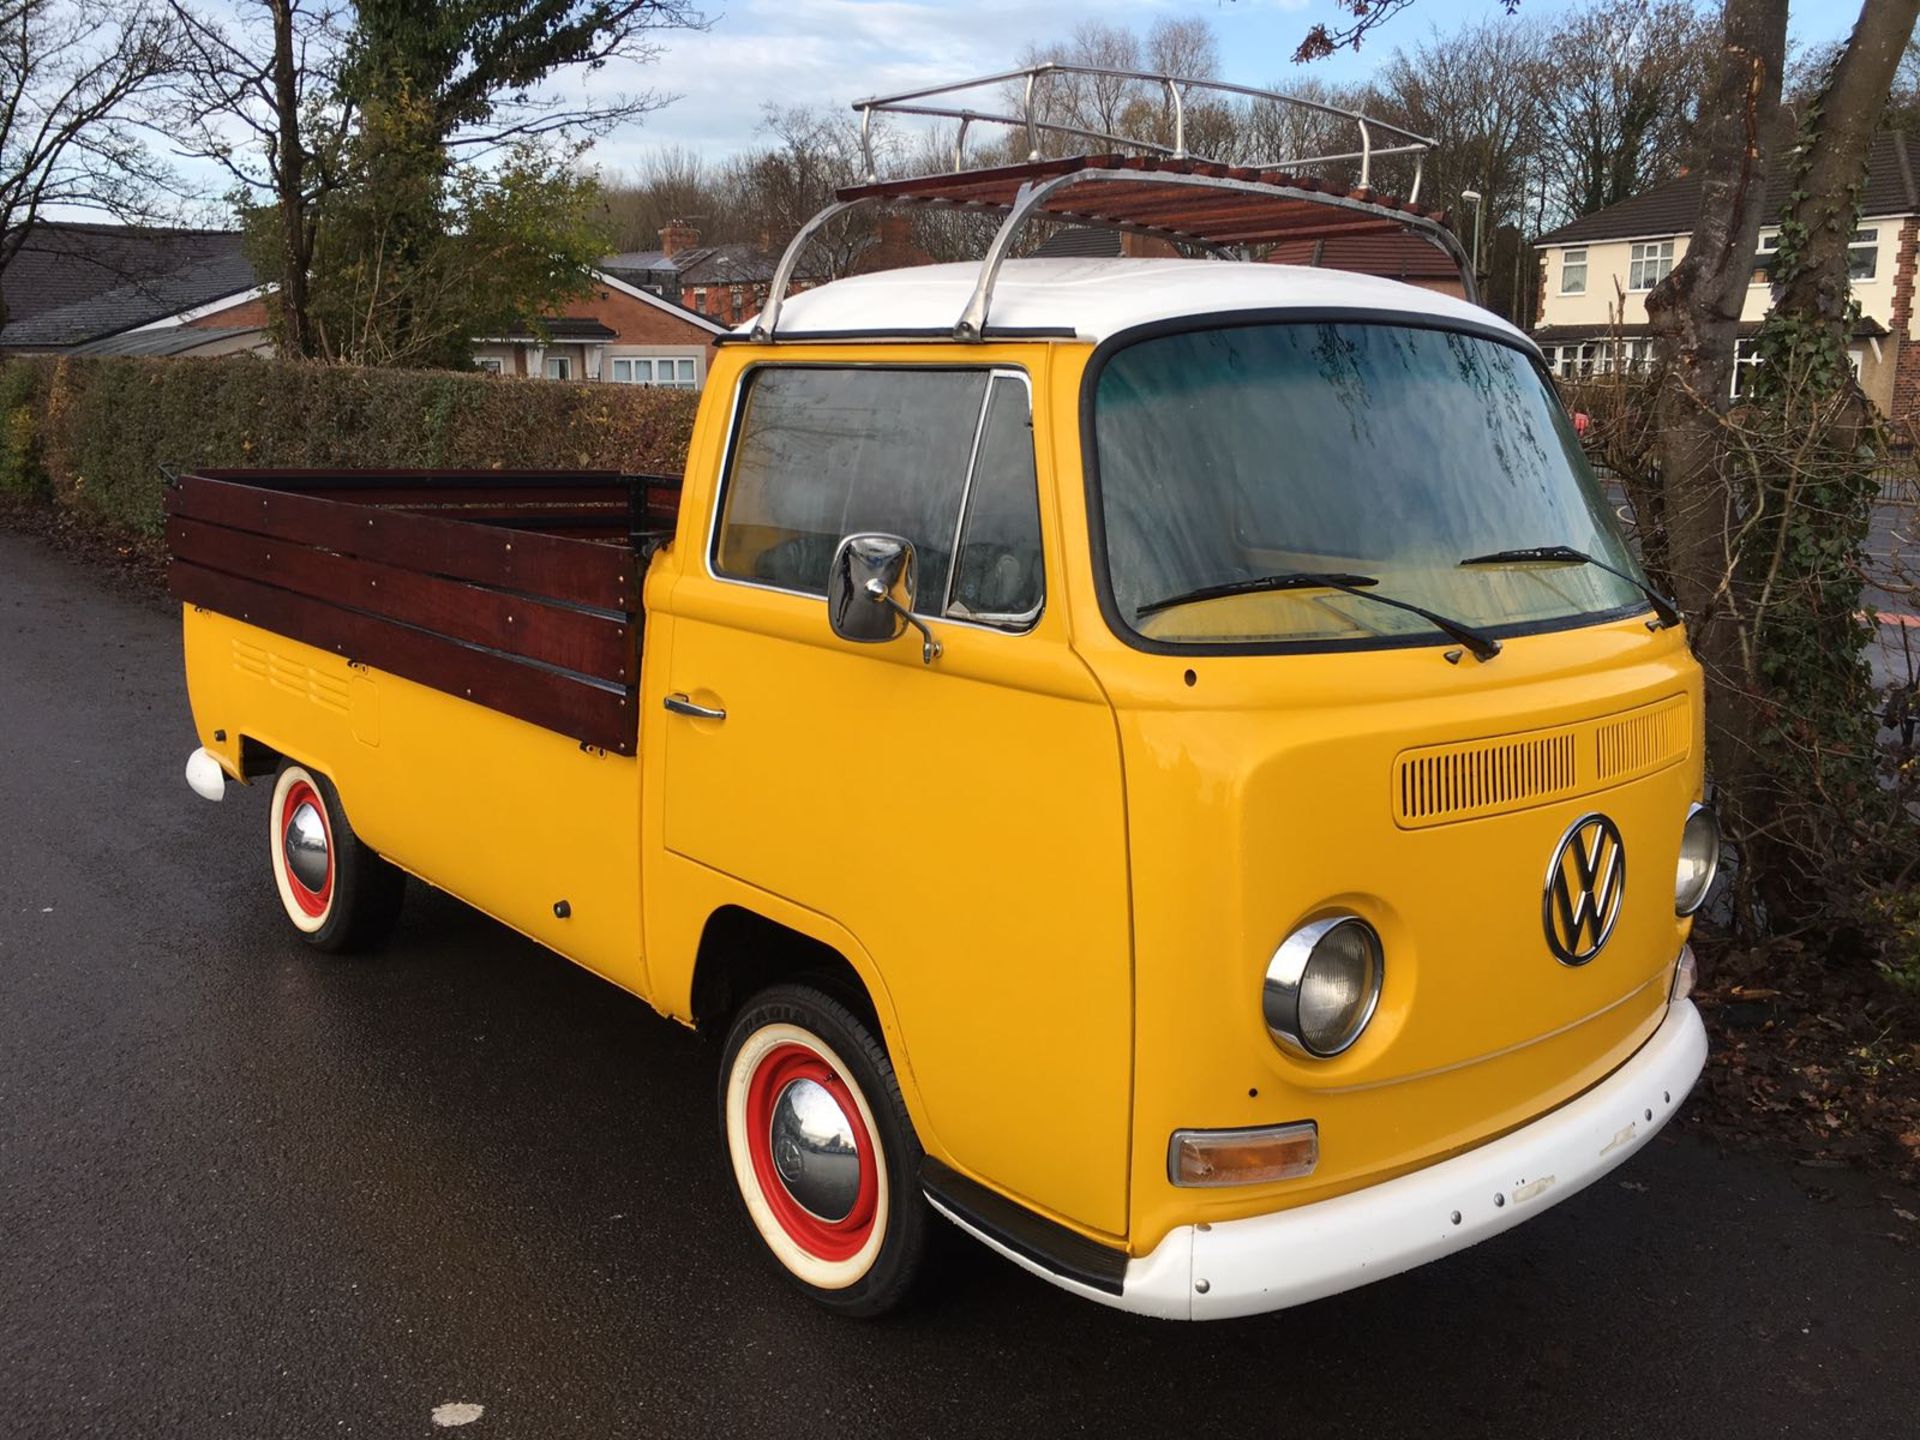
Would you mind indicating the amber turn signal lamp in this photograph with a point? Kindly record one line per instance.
(1243, 1157)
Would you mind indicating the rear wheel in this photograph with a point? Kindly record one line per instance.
(824, 1158)
(338, 893)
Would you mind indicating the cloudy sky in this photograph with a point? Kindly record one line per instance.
(830, 52)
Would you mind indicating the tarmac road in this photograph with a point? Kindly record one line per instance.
(250, 1191)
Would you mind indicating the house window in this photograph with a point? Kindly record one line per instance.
(1746, 360)
(700, 298)
(1649, 263)
(667, 370)
(559, 367)
(1573, 272)
(1639, 355)
(489, 365)
(1863, 256)
(1573, 362)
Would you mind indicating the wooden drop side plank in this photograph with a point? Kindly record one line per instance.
(604, 718)
(574, 639)
(578, 571)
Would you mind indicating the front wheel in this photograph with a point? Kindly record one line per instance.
(824, 1158)
(338, 893)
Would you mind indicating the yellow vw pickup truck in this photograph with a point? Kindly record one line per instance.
(1175, 771)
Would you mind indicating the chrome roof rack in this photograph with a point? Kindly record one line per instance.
(1164, 192)
(1037, 80)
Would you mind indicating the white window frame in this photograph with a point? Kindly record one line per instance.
(559, 367)
(1568, 266)
(1643, 258)
(669, 372)
(490, 365)
(1746, 360)
(1865, 241)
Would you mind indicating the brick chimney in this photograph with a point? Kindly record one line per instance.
(896, 230)
(677, 235)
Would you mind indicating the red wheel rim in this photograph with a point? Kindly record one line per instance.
(311, 902)
(830, 1240)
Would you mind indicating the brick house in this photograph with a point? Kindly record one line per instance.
(1406, 258)
(83, 289)
(1596, 272)
(730, 282)
(618, 332)
(726, 283)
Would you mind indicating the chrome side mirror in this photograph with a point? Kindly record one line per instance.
(870, 592)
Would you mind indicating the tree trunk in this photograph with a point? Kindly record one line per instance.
(1831, 172)
(296, 234)
(1695, 313)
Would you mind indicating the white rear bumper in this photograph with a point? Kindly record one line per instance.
(1268, 1262)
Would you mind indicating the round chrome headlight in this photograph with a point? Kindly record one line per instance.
(1322, 986)
(1699, 860)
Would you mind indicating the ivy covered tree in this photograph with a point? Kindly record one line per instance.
(414, 261)
(386, 135)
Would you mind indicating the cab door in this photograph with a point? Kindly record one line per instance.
(964, 818)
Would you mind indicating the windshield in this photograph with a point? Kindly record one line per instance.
(1239, 453)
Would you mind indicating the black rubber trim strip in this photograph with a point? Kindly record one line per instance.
(944, 332)
(1047, 1243)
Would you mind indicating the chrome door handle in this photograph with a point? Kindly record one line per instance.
(681, 705)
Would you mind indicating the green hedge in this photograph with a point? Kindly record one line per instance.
(22, 424)
(94, 433)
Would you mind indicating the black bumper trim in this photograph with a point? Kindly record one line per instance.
(1047, 1243)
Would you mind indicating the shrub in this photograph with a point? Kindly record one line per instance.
(106, 429)
(22, 471)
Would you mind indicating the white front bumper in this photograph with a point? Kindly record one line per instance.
(1268, 1262)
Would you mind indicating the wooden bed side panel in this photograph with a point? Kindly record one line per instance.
(646, 502)
(592, 713)
(580, 572)
(589, 642)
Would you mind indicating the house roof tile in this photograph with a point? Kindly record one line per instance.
(71, 283)
(727, 264)
(1670, 209)
(169, 340)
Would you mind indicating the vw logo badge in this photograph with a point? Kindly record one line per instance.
(1585, 885)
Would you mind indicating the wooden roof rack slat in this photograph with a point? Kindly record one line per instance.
(1165, 192)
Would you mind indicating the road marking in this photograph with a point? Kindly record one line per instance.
(457, 1412)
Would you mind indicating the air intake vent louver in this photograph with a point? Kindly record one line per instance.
(1641, 741)
(1483, 777)
(1463, 781)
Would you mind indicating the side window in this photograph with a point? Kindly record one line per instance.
(998, 575)
(821, 453)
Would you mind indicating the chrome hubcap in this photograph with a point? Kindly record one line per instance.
(306, 843)
(814, 1151)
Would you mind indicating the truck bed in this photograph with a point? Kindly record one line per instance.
(517, 590)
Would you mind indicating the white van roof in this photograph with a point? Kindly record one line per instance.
(1093, 299)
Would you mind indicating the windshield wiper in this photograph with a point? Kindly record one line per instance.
(1668, 612)
(1483, 646)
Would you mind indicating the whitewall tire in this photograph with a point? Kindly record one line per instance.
(335, 891)
(822, 1154)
